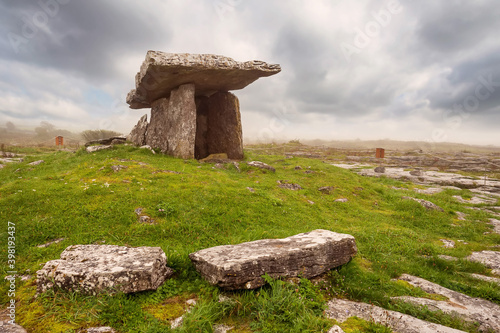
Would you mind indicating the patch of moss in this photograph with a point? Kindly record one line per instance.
(167, 311)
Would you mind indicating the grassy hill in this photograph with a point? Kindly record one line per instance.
(78, 197)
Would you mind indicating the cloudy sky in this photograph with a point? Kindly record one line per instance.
(410, 70)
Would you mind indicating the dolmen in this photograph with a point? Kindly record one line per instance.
(193, 114)
(304, 255)
(92, 269)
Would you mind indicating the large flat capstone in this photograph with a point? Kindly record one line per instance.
(105, 268)
(162, 72)
(242, 266)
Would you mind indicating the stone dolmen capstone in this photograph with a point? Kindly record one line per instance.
(91, 269)
(193, 114)
(242, 266)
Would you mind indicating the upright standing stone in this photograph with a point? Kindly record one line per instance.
(156, 135)
(181, 122)
(201, 143)
(138, 133)
(224, 125)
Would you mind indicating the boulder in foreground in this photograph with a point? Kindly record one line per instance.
(105, 268)
(242, 266)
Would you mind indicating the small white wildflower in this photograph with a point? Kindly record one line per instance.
(106, 184)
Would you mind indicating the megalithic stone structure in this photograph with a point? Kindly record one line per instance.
(193, 114)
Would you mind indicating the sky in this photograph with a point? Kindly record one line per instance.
(426, 70)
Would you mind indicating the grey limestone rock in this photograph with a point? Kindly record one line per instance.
(261, 165)
(105, 268)
(426, 204)
(289, 186)
(36, 162)
(6, 327)
(242, 266)
(486, 313)
(101, 329)
(163, 72)
(93, 149)
(138, 133)
(341, 310)
(107, 141)
(490, 259)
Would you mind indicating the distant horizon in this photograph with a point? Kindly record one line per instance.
(306, 141)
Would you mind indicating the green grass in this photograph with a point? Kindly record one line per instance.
(78, 197)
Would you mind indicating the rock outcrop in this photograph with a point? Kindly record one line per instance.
(242, 266)
(92, 269)
(6, 327)
(341, 310)
(486, 313)
(193, 114)
(162, 72)
(490, 259)
(138, 133)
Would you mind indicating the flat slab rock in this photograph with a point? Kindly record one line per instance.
(105, 268)
(341, 310)
(486, 313)
(242, 266)
(490, 259)
(6, 327)
(162, 72)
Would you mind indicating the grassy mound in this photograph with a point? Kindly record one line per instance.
(79, 197)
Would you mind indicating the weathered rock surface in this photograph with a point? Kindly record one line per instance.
(224, 134)
(480, 199)
(138, 133)
(36, 162)
(156, 134)
(336, 329)
(430, 190)
(471, 309)
(379, 169)
(55, 241)
(341, 310)
(261, 165)
(162, 72)
(102, 329)
(93, 149)
(426, 204)
(241, 266)
(107, 141)
(432, 177)
(105, 268)
(289, 186)
(326, 189)
(490, 259)
(449, 244)
(6, 327)
(486, 278)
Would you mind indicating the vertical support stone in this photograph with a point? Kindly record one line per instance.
(224, 133)
(156, 135)
(138, 133)
(201, 143)
(181, 122)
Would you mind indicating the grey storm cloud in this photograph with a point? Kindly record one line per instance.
(83, 37)
(413, 67)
